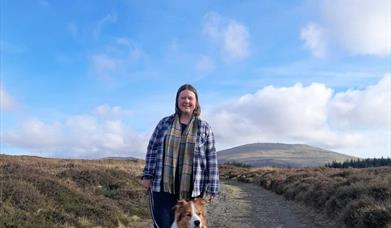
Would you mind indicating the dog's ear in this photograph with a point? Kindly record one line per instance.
(181, 203)
(200, 201)
(200, 206)
(180, 209)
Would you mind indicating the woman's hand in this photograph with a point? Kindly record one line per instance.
(146, 183)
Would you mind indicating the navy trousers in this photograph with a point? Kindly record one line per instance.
(162, 208)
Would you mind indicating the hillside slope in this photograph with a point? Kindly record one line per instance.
(280, 155)
(41, 192)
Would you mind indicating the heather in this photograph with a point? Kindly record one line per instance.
(353, 197)
(39, 192)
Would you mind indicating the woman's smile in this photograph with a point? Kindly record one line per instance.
(187, 101)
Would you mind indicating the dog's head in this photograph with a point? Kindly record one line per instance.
(190, 214)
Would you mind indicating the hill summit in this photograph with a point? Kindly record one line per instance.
(280, 155)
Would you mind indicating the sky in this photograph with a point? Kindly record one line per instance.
(91, 79)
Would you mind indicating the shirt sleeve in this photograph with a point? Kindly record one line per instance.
(211, 159)
(150, 159)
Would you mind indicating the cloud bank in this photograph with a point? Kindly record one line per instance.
(355, 121)
(96, 135)
(312, 114)
(360, 27)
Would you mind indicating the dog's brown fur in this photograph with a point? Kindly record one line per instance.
(183, 212)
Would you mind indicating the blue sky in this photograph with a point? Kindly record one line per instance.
(90, 79)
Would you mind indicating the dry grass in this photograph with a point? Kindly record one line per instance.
(39, 192)
(354, 197)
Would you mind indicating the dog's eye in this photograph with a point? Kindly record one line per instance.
(199, 213)
(188, 214)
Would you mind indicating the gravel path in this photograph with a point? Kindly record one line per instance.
(247, 205)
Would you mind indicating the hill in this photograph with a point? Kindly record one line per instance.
(42, 192)
(120, 158)
(280, 155)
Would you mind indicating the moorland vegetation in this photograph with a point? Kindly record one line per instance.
(352, 197)
(40, 192)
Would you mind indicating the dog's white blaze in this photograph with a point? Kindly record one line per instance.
(194, 216)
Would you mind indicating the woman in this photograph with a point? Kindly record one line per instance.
(181, 160)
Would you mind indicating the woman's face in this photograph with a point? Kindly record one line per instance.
(187, 102)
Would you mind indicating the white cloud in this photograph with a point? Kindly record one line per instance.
(7, 102)
(314, 39)
(102, 63)
(35, 133)
(231, 37)
(355, 121)
(361, 27)
(213, 24)
(310, 114)
(236, 44)
(276, 114)
(79, 136)
(117, 58)
(368, 108)
(112, 112)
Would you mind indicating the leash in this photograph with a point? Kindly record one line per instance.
(151, 207)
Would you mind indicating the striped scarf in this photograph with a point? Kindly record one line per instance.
(178, 153)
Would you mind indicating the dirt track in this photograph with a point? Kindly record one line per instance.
(242, 205)
(246, 205)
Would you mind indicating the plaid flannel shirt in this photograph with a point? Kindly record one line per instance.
(205, 168)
